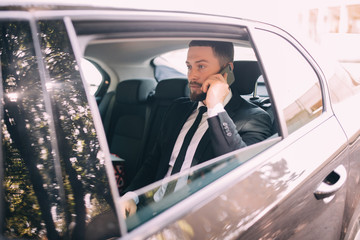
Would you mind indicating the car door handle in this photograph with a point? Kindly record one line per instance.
(332, 183)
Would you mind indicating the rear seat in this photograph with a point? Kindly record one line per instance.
(137, 113)
(165, 93)
(133, 121)
(127, 121)
(247, 74)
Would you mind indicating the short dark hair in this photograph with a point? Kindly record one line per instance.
(224, 51)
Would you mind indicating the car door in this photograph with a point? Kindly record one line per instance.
(295, 189)
(315, 142)
(52, 165)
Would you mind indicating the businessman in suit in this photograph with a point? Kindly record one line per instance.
(228, 123)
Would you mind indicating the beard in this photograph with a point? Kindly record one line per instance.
(197, 97)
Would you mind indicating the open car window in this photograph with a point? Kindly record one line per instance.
(157, 198)
(92, 76)
(172, 64)
(153, 60)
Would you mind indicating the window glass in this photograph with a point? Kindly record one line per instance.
(33, 208)
(172, 64)
(92, 76)
(52, 173)
(186, 183)
(87, 191)
(294, 83)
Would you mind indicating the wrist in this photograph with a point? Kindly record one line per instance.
(215, 110)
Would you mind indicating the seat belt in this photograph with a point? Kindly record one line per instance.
(108, 116)
(148, 119)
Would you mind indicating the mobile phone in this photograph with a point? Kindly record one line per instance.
(230, 74)
(230, 79)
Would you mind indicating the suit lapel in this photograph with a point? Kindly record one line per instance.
(202, 152)
(179, 120)
(233, 105)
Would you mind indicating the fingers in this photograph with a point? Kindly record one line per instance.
(225, 76)
(217, 78)
(128, 208)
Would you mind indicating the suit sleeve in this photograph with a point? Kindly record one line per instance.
(227, 136)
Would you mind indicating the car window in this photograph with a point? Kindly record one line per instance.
(295, 84)
(81, 156)
(169, 65)
(187, 183)
(92, 75)
(29, 177)
(52, 171)
(172, 64)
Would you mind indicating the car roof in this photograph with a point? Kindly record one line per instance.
(250, 10)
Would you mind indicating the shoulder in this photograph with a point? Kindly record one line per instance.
(248, 111)
(178, 107)
(180, 103)
(182, 100)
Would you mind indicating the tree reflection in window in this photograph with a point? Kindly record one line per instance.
(36, 204)
(31, 190)
(86, 183)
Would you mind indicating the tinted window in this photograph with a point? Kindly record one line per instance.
(294, 83)
(33, 206)
(54, 182)
(82, 159)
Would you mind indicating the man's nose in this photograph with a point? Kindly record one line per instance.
(192, 75)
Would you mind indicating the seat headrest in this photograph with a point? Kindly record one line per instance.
(246, 74)
(134, 90)
(172, 89)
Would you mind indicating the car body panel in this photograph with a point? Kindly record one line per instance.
(284, 178)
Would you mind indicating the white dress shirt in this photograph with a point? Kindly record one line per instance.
(203, 126)
(211, 112)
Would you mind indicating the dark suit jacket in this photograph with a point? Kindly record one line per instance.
(242, 124)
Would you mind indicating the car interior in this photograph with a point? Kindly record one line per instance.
(139, 80)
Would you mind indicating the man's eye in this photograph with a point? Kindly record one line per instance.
(201, 66)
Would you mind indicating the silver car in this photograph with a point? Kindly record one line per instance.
(70, 146)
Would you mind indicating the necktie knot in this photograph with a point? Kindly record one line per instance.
(202, 110)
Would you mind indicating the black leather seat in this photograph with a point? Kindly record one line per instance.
(247, 73)
(128, 120)
(104, 108)
(165, 93)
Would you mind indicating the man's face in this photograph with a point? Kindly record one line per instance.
(201, 64)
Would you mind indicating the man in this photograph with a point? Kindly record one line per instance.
(230, 122)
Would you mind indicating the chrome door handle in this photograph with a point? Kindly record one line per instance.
(332, 183)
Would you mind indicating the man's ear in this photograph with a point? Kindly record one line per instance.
(231, 64)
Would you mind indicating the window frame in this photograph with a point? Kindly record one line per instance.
(326, 111)
(191, 29)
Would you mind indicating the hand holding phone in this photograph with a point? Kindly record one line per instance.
(217, 88)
